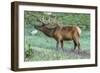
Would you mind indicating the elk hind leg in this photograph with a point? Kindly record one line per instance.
(76, 43)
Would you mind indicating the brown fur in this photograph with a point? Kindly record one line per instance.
(62, 33)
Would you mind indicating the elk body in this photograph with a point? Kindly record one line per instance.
(61, 34)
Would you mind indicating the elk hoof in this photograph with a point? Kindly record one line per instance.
(77, 51)
(62, 49)
(73, 50)
(57, 49)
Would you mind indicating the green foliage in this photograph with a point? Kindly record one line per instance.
(80, 19)
(28, 52)
(43, 48)
(39, 47)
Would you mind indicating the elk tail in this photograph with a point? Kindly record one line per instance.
(79, 30)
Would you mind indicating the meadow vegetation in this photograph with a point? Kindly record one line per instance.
(39, 47)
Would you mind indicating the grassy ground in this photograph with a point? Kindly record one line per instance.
(39, 47)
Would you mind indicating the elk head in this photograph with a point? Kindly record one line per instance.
(45, 27)
(39, 27)
(42, 25)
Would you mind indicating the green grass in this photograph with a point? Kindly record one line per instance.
(42, 54)
(44, 48)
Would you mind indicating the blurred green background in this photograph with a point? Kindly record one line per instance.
(39, 47)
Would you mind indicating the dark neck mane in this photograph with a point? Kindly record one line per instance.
(49, 31)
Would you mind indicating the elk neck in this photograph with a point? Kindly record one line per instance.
(49, 31)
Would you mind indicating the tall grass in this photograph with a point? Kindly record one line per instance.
(44, 48)
(39, 47)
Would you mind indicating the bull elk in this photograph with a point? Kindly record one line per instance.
(60, 34)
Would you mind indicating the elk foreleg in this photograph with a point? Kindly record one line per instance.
(62, 45)
(58, 45)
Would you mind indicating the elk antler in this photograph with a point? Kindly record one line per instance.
(42, 20)
(54, 21)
